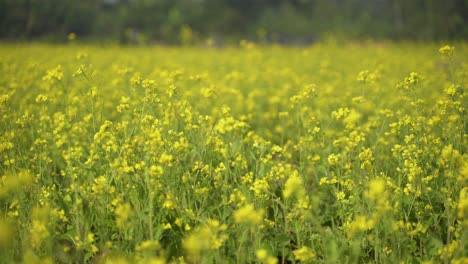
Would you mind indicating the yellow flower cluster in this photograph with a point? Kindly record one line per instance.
(210, 236)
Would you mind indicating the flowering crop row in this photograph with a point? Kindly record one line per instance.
(328, 154)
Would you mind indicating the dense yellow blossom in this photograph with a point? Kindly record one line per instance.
(248, 214)
(331, 153)
(304, 254)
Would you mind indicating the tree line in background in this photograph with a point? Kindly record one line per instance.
(186, 21)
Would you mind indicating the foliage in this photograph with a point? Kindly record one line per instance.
(287, 21)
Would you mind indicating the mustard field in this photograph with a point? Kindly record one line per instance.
(336, 153)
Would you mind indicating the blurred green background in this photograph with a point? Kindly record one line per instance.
(223, 21)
